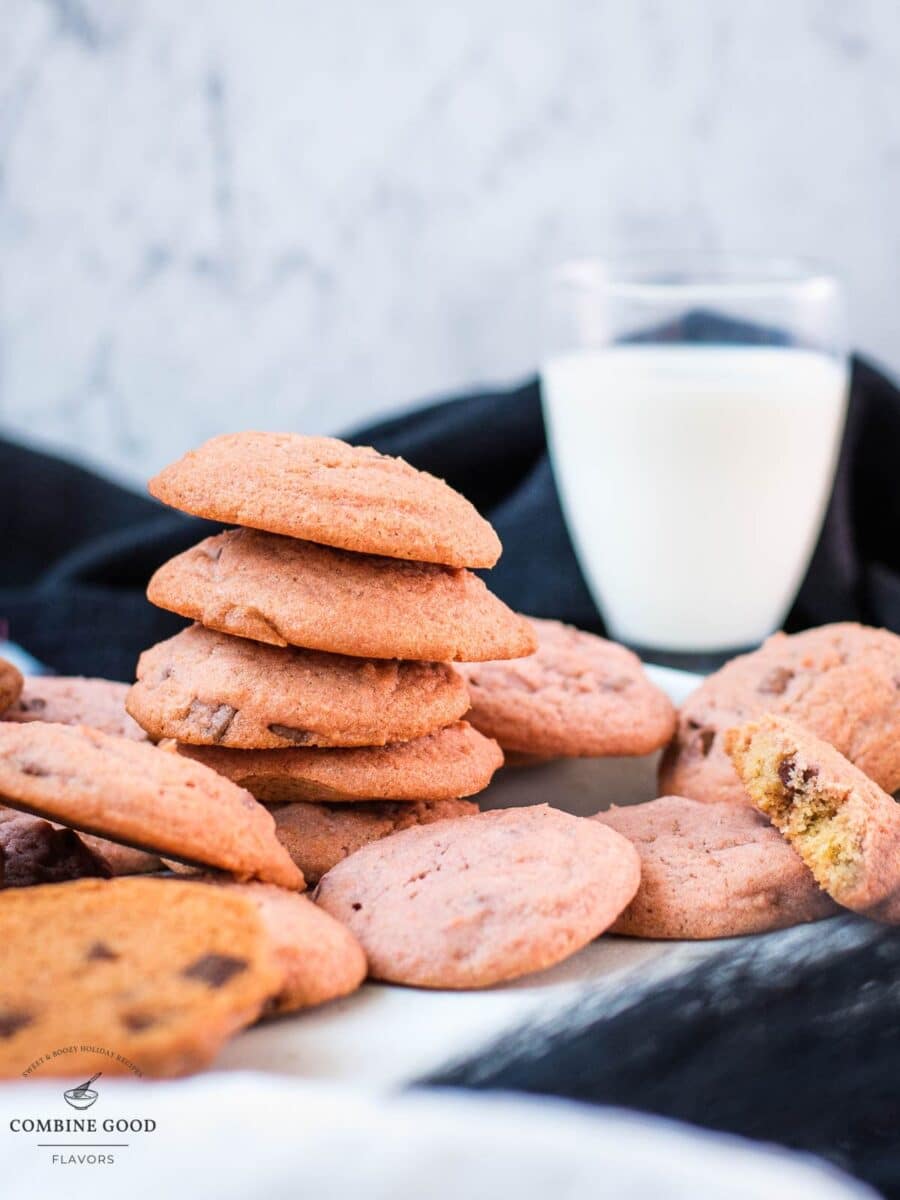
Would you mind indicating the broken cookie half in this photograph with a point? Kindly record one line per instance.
(845, 828)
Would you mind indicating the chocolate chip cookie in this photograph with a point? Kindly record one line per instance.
(842, 682)
(320, 959)
(323, 490)
(33, 851)
(208, 688)
(135, 793)
(157, 973)
(843, 826)
(10, 684)
(291, 593)
(578, 696)
(64, 700)
(474, 901)
(711, 872)
(454, 761)
(318, 836)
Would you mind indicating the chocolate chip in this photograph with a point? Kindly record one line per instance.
(786, 769)
(776, 682)
(35, 769)
(101, 952)
(215, 969)
(356, 906)
(12, 1022)
(706, 739)
(214, 719)
(809, 774)
(137, 1021)
(300, 737)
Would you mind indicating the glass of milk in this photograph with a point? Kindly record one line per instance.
(694, 409)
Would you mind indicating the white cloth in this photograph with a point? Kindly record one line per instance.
(231, 1136)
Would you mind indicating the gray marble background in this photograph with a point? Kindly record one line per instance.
(227, 213)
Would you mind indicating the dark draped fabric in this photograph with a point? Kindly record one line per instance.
(78, 549)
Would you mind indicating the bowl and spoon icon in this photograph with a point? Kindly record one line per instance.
(84, 1095)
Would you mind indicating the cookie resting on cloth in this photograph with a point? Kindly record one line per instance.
(712, 871)
(318, 836)
(578, 696)
(483, 899)
(158, 973)
(73, 700)
(135, 793)
(843, 826)
(320, 959)
(839, 681)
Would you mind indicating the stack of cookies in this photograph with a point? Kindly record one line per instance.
(317, 675)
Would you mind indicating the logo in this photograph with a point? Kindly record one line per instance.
(81, 1138)
(84, 1095)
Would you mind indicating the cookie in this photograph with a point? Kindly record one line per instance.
(319, 958)
(578, 696)
(317, 836)
(454, 761)
(33, 851)
(116, 859)
(10, 684)
(287, 592)
(843, 826)
(475, 901)
(62, 700)
(839, 681)
(134, 793)
(208, 688)
(710, 872)
(122, 860)
(323, 490)
(157, 973)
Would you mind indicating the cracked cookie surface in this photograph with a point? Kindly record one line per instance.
(471, 902)
(709, 872)
(157, 972)
(451, 762)
(208, 688)
(135, 793)
(286, 592)
(842, 682)
(579, 695)
(324, 490)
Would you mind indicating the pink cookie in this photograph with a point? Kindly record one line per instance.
(711, 871)
(478, 900)
(578, 696)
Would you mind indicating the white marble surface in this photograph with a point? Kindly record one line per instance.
(287, 214)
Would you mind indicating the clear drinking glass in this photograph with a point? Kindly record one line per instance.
(694, 407)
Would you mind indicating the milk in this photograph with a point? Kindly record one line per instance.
(694, 480)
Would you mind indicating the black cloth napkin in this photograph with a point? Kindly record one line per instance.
(77, 550)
